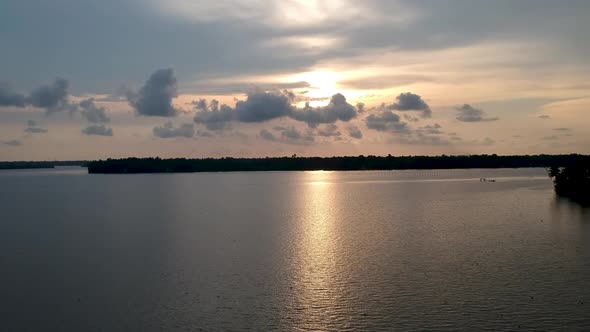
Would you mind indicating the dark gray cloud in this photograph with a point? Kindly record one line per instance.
(468, 113)
(330, 130)
(52, 98)
(355, 132)
(202, 133)
(266, 106)
(258, 107)
(386, 121)
(13, 142)
(292, 135)
(92, 112)
(267, 135)
(36, 130)
(215, 119)
(544, 116)
(99, 130)
(33, 128)
(360, 107)
(337, 109)
(168, 130)
(263, 106)
(155, 96)
(411, 102)
(434, 129)
(11, 98)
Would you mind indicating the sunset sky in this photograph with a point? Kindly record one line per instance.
(84, 79)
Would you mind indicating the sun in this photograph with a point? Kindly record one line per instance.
(322, 83)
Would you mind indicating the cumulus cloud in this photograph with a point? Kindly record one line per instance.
(264, 106)
(337, 109)
(155, 96)
(11, 98)
(411, 102)
(267, 135)
(355, 132)
(99, 130)
(468, 113)
(386, 121)
(258, 107)
(92, 112)
(168, 130)
(51, 97)
(13, 142)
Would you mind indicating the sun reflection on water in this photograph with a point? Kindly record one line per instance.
(317, 291)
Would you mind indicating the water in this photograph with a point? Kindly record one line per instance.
(331, 251)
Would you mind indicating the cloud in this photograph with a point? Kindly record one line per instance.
(169, 131)
(93, 113)
(99, 130)
(337, 109)
(386, 121)
(291, 135)
(36, 130)
(201, 133)
(411, 102)
(468, 113)
(419, 138)
(11, 98)
(213, 116)
(551, 138)
(434, 129)
(264, 106)
(487, 141)
(155, 96)
(13, 142)
(355, 132)
(267, 135)
(258, 107)
(330, 130)
(52, 98)
(543, 116)
(562, 129)
(33, 128)
(360, 107)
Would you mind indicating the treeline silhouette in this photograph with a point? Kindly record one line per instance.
(40, 164)
(573, 181)
(294, 163)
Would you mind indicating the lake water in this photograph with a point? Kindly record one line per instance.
(328, 251)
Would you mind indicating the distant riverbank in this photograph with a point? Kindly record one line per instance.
(40, 164)
(294, 163)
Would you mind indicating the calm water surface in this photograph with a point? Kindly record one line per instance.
(328, 251)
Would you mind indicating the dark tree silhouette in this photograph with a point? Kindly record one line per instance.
(296, 163)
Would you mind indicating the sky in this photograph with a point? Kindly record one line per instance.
(83, 79)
